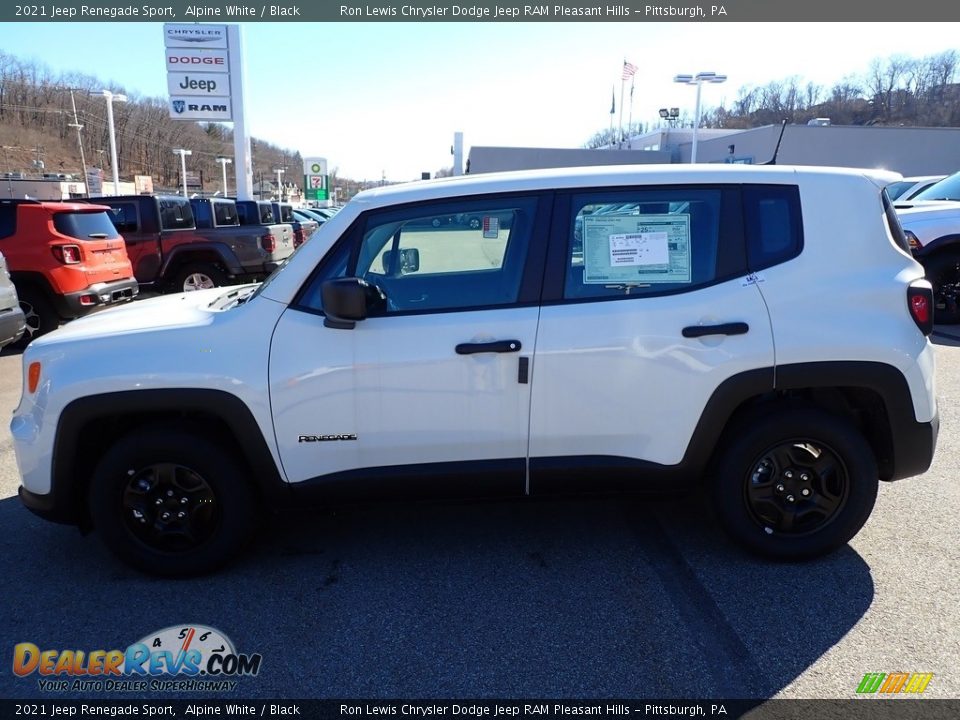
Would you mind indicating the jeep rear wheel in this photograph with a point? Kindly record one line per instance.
(199, 276)
(943, 272)
(795, 484)
(171, 503)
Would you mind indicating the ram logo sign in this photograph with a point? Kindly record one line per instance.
(193, 108)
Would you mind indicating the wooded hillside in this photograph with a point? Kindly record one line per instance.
(35, 127)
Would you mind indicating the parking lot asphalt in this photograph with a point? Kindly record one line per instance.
(563, 598)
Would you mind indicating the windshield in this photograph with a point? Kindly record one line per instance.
(946, 189)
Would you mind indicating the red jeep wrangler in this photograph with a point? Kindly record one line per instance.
(65, 259)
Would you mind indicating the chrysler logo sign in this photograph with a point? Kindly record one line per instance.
(212, 36)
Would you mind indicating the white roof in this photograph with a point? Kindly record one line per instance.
(557, 178)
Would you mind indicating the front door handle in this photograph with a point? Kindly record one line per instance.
(734, 328)
(497, 346)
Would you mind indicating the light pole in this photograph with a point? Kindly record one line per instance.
(111, 97)
(224, 161)
(698, 80)
(279, 172)
(183, 165)
(76, 124)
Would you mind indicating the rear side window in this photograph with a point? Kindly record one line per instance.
(649, 241)
(773, 224)
(225, 213)
(8, 220)
(85, 225)
(175, 214)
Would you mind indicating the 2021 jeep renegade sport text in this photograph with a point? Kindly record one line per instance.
(762, 330)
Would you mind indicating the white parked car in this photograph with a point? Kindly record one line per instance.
(931, 221)
(909, 187)
(12, 321)
(628, 329)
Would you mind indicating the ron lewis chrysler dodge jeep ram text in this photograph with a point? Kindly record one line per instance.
(598, 329)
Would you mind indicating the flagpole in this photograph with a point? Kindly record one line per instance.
(623, 84)
(630, 121)
(613, 109)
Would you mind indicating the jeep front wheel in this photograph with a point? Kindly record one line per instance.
(795, 484)
(171, 503)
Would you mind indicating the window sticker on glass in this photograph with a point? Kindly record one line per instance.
(639, 249)
(636, 249)
(491, 227)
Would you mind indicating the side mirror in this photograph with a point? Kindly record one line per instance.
(409, 261)
(347, 300)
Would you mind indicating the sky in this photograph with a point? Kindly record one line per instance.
(385, 99)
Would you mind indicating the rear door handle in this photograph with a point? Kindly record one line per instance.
(497, 346)
(734, 328)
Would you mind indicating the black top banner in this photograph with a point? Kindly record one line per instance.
(219, 11)
(916, 709)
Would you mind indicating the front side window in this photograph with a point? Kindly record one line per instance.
(644, 242)
(124, 216)
(440, 257)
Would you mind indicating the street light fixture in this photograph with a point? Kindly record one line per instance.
(183, 165)
(698, 80)
(111, 97)
(224, 161)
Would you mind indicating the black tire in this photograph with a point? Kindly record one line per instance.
(195, 502)
(198, 276)
(943, 272)
(778, 499)
(39, 314)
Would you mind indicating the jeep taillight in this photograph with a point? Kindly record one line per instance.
(297, 237)
(268, 243)
(920, 303)
(66, 254)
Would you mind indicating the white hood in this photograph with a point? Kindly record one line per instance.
(191, 309)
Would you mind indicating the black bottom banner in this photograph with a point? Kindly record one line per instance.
(853, 709)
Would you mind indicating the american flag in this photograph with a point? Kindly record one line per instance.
(629, 70)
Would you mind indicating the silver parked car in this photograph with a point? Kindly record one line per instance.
(12, 322)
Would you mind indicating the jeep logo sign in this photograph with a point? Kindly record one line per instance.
(194, 108)
(204, 84)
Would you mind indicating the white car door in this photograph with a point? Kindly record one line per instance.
(433, 385)
(648, 310)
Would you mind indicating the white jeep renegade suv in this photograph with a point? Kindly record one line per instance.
(758, 329)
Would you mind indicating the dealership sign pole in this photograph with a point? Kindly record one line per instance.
(205, 79)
